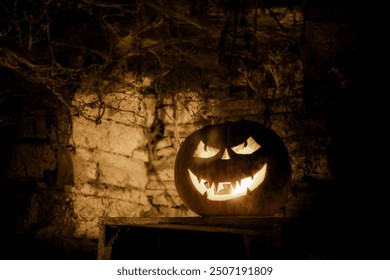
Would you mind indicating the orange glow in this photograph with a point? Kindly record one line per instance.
(228, 190)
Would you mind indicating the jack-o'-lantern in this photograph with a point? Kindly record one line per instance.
(239, 168)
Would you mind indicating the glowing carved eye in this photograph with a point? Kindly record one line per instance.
(248, 147)
(204, 151)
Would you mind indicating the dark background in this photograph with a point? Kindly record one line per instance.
(356, 224)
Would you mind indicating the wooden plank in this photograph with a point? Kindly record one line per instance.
(249, 227)
(252, 222)
(211, 229)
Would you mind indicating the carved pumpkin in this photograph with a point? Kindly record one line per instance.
(237, 168)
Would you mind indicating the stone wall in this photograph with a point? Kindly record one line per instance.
(121, 151)
(112, 152)
(117, 156)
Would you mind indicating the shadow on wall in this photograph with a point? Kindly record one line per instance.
(34, 168)
(37, 215)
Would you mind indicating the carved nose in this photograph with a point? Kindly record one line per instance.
(225, 155)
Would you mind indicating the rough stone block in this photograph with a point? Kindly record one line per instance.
(164, 170)
(107, 136)
(164, 143)
(110, 192)
(188, 107)
(161, 185)
(179, 131)
(84, 170)
(166, 152)
(164, 198)
(121, 171)
(141, 154)
(88, 210)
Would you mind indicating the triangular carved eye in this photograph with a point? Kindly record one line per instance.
(205, 151)
(246, 148)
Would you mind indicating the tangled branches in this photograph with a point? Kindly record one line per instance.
(60, 43)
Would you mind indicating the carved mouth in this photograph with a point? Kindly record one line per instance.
(222, 191)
